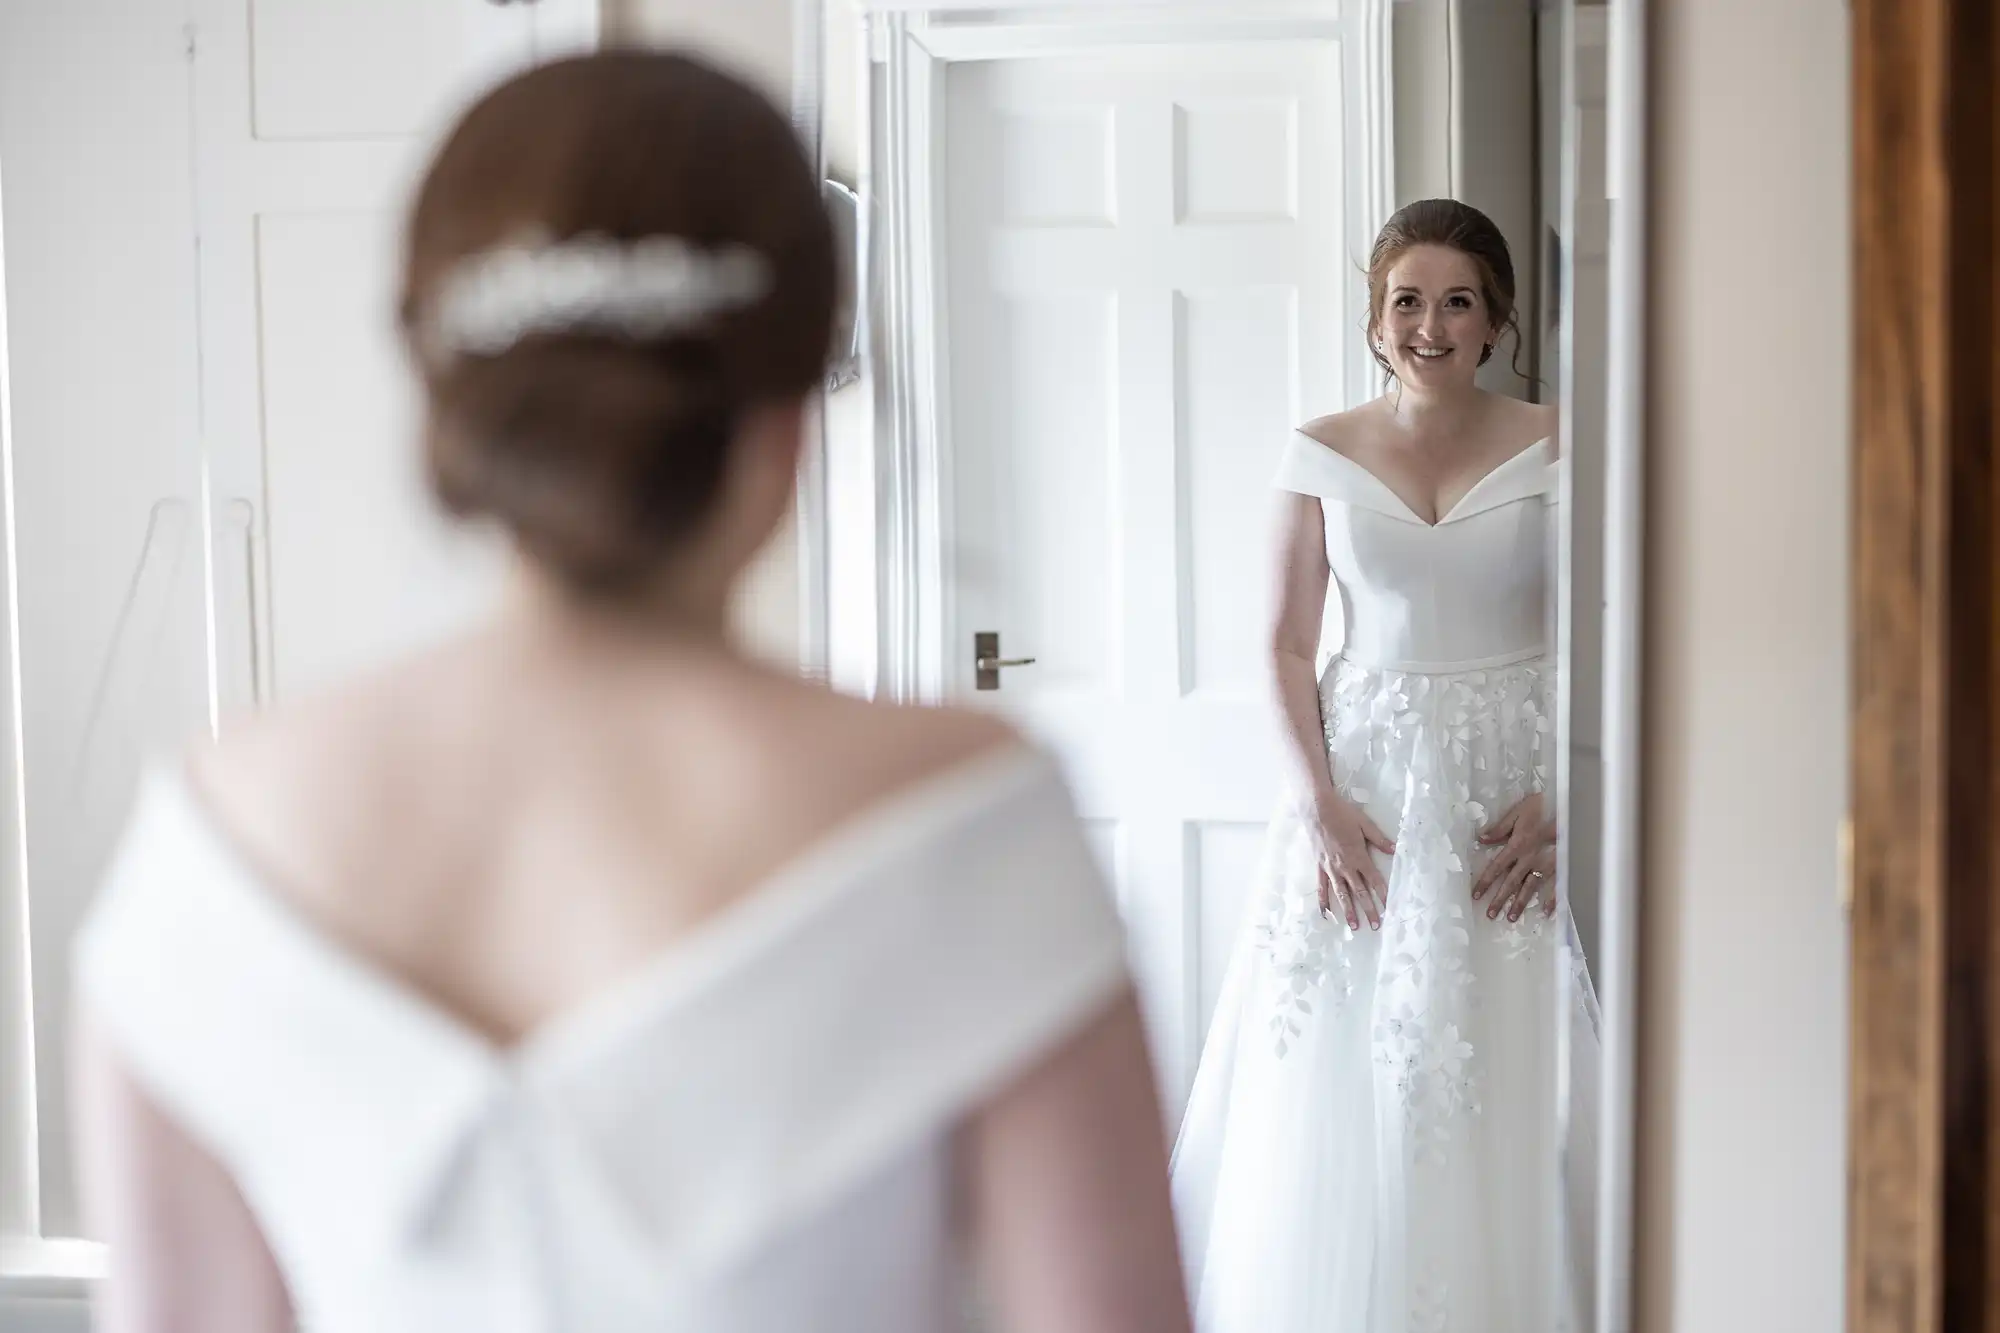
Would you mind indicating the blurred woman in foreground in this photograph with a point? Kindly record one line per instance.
(581, 974)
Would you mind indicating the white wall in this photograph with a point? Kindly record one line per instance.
(1421, 72)
(1743, 1082)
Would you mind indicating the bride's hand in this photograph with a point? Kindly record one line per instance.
(1525, 866)
(1343, 838)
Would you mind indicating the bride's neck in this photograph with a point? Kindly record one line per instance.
(1426, 412)
(666, 621)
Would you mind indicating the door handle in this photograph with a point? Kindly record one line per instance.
(987, 663)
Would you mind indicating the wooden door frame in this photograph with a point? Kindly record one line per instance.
(1923, 1229)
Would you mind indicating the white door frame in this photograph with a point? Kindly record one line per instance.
(910, 45)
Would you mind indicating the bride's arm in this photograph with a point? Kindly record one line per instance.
(1301, 608)
(1070, 1216)
(186, 1254)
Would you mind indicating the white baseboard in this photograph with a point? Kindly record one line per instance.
(32, 1269)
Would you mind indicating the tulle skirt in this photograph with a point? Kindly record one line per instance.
(1377, 1133)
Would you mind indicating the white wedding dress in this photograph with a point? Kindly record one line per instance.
(749, 1136)
(1373, 1142)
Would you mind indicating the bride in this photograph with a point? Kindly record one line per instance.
(1371, 1141)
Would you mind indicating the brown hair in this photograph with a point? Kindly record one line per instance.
(1463, 228)
(600, 451)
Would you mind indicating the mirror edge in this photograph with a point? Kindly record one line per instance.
(1627, 174)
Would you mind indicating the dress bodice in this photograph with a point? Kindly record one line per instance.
(1468, 591)
(748, 1136)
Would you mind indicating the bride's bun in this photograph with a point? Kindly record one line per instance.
(590, 414)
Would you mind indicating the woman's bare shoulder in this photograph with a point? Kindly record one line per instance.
(1340, 431)
(413, 703)
(320, 771)
(872, 749)
(316, 780)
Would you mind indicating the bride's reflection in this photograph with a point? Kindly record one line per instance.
(1369, 1144)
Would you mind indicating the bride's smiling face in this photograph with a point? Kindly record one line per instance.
(1435, 324)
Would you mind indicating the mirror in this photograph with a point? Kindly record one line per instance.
(1125, 351)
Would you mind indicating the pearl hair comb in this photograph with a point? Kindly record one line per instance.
(642, 289)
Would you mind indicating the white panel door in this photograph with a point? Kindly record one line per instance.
(1146, 288)
(312, 119)
(203, 414)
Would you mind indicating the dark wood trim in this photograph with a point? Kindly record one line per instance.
(1924, 1180)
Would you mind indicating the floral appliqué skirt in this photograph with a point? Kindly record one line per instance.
(1389, 1131)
